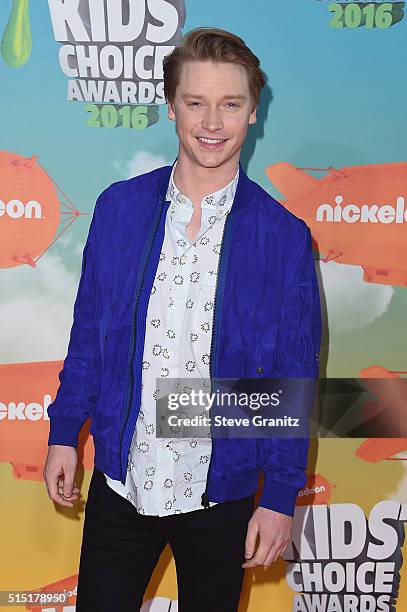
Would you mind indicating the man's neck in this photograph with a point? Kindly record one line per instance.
(196, 181)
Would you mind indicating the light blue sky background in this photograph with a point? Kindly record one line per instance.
(340, 98)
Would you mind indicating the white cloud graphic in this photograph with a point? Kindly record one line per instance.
(351, 302)
(36, 310)
(140, 162)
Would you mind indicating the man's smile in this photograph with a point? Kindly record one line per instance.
(211, 143)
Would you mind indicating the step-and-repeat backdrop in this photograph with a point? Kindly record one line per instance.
(82, 106)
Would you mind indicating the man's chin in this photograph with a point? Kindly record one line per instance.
(211, 161)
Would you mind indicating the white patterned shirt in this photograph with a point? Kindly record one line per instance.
(168, 476)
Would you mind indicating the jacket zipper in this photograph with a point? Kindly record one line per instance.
(205, 496)
(132, 347)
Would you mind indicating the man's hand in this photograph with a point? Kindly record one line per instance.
(274, 530)
(59, 473)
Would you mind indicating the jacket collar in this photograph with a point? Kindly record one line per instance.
(244, 189)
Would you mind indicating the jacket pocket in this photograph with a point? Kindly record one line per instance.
(267, 353)
(265, 367)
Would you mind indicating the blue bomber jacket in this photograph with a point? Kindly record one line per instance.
(267, 323)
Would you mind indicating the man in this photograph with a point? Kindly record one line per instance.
(188, 270)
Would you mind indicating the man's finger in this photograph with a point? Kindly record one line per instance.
(52, 485)
(75, 492)
(251, 537)
(259, 557)
(273, 555)
(53, 492)
(63, 502)
(69, 476)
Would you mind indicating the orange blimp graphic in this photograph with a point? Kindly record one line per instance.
(30, 210)
(27, 389)
(357, 215)
(58, 596)
(390, 398)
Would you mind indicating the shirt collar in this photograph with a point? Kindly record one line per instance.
(220, 200)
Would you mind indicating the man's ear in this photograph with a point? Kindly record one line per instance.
(253, 116)
(171, 112)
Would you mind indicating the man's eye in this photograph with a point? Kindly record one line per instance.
(233, 104)
(193, 103)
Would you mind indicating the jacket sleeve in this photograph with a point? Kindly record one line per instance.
(79, 377)
(282, 459)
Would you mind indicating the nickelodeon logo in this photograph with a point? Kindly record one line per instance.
(318, 490)
(21, 411)
(16, 209)
(352, 213)
(311, 491)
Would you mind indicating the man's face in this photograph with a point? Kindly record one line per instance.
(212, 101)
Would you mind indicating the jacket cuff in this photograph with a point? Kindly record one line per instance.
(278, 496)
(64, 430)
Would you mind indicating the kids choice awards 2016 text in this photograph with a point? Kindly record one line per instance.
(112, 52)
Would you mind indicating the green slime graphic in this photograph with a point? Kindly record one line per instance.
(16, 43)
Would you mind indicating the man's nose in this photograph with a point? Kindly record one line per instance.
(212, 119)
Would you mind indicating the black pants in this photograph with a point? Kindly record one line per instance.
(121, 547)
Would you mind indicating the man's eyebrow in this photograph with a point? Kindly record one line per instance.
(227, 97)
